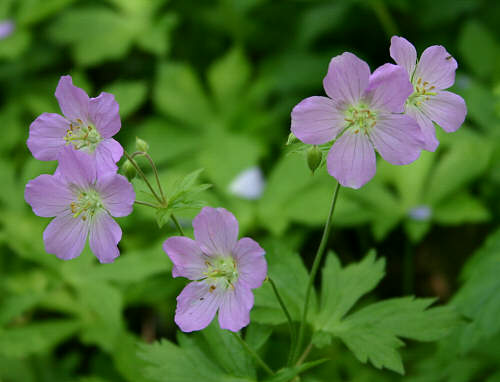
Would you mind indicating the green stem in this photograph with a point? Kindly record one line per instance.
(293, 335)
(259, 360)
(155, 170)
(145, 203)
(314, 270)
(385, 18)
(143, 176)
(304, 355)
(177, 225)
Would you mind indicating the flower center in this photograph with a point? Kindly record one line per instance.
(221, 271)
(82, 136)
(87, 204)
(360, 119)
(422, 92)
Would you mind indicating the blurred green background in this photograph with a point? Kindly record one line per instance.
(210, 84)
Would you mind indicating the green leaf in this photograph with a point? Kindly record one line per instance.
(460, 209)
(184, 363)
(228, 76)
(373, 332)
(285, 375)
(155, 38)
(478, 299)
(109, 37)
(130, 95)
(289, 274)
(479, 49)
(36, 338)
(179, 94)
(343, 287)
(33, 11)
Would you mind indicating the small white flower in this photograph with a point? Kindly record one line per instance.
(248, 184)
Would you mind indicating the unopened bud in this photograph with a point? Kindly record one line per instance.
(141, 145)
(291, 139)
(314, 156)
(129, 170)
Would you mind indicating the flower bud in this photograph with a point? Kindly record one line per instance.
(314, 156)
(291, 139)
(141, 145)
(129, 170)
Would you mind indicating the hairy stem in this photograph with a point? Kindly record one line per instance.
(252, 352)
(293, 335)
(143, 176)
(314, 271)
(145, 204)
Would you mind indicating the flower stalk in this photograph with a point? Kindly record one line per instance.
(314, 271)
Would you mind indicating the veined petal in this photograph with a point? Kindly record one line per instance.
(105, 234)
(389, 88)
(234, 311)
(215, 231)
(351, 159)
(196, 306)
(48, 195)
(73, 101)
(188, 259)
(316, 120)
(104, 113)
(252, 266)
(397, 138)
(347, 79)
(447, 109)
(117, 194)
(426, 127)
(437, 67)
(403, 53)
(77, 167)
(46, 136)
(105, 156)
(65, 236)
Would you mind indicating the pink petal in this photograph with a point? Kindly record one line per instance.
(403, 53)
(65, 236)
(215, 231)
(347, 79)
(447, 109)
(104, 113)
(351, 159)
(77, 167)
(426, 127)
(196, 306)
(46, 136)
(437, 67)
(107, 153)
(117, 194)
(188, 259)
(48, 195)
(389, 88)
(316, 120)
(397, 138)
(234, 311)
(73, 101)
(105, 234)
(252, 266)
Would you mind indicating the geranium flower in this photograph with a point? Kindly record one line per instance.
(363, 113)
(88, 125)
(428, 102)
(83, 200)
(224, 270)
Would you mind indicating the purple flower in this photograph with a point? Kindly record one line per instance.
(428, 102)
(6, 28)
(224, 271)
(88, 125)
(82, 199)
(362, 115)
